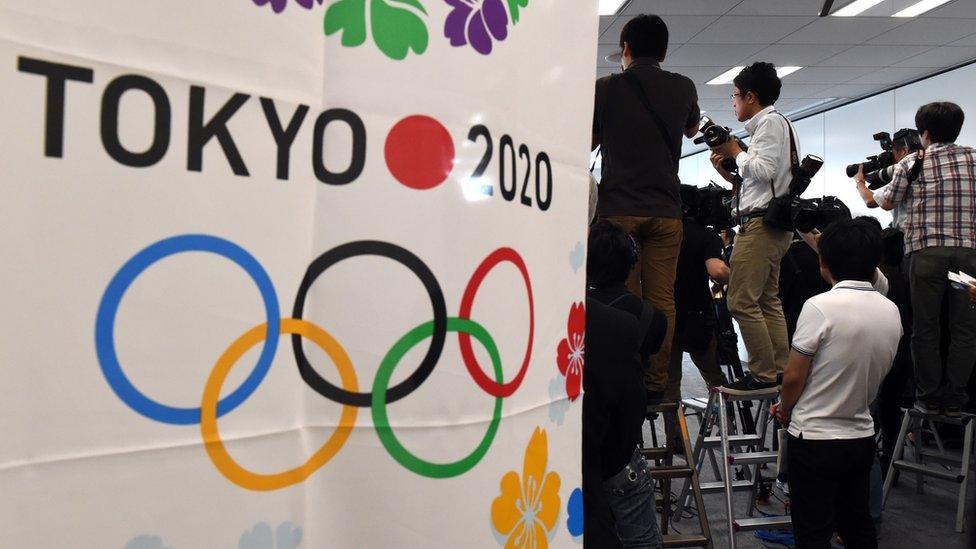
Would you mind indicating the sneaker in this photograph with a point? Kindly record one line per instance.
(654, 397)
(928, 408)
(783, 487)
(747, 385)
(953, 411)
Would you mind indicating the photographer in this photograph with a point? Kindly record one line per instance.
(639, 118)
(900, 149)
(700, 260)
(938, 193)
(764, 173)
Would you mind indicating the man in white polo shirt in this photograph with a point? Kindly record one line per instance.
(844, 345)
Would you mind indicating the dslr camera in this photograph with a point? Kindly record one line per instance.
(714, 135)
(879, 168)
(789, 212)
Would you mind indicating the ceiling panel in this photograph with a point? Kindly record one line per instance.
(692, 55)
(960, 8)
(891, 76)
(843, 30)
(843, 58)
(681, 28)
(967, 41)
(777, 7)
(793, 54)
(849, 90)
(684, 7)
(932, 32)
(750, 30)
(827, 75)
(873, 56)
(945, 56)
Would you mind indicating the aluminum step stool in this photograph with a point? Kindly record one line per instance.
(755, 458)
(913, 419)
(673, 411)
(708, 441)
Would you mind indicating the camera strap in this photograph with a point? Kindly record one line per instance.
(916, 170)
(635, 83)
(794, 154)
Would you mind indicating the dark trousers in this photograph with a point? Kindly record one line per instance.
(927, 272)
(829, 491)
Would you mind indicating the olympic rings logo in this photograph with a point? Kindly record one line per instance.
(348, 394)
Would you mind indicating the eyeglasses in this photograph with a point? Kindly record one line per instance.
(736, 94)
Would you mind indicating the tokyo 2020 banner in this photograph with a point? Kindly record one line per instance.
(293, 273)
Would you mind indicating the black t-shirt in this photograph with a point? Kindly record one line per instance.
(621, 298)
(639, 174)
(691, 291)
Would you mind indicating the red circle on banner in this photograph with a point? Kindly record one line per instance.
(487, 384)
(419, 152)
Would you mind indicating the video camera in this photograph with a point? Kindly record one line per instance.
(713, 209)
(714, 135)
(879, 168)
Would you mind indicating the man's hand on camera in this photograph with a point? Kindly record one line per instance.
(716, 160)
(972, 292)
(859, 176)
(729, 149)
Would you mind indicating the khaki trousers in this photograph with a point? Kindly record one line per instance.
(659, 239)
(754, 297)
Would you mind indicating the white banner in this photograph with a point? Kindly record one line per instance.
(293, 273)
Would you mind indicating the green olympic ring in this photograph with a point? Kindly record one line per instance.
(381, 420)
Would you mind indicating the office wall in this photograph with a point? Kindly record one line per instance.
(842, 136)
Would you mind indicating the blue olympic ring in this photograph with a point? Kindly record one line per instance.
(109, 306)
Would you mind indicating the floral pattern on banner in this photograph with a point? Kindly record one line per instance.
(476, 22)
(574, 513)
(527, 510)
(570, 353)
(278, 6)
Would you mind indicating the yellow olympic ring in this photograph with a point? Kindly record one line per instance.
(211, 394)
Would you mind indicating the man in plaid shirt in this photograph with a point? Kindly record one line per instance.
(939, 196)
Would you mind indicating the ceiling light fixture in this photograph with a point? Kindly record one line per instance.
(920, 8)
(856, 7)
(725, 78)
(786, 71)
(610, 7)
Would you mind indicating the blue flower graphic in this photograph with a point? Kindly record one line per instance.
(577, 256)
(145, 541)
(286, 536)
(574, 513)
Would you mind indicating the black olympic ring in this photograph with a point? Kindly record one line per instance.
(408, 260)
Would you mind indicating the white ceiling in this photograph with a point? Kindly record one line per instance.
(843, 57)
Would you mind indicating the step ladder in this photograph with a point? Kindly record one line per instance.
(665, 471)
(726, 449)
(958, 473)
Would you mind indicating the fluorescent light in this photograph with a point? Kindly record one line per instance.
(610, 7)
(856, 7)
(920, 8)
(786, 71)
(726, 77)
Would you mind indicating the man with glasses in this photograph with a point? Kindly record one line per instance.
(764, 173)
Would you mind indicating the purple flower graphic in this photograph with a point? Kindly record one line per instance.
(476, 22)
(278, 6)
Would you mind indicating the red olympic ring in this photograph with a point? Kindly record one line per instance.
(487, 384)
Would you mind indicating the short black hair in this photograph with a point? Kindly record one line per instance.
(761, 79)
(942, 119)
(610, 255)
(851, 249)
(690, 199)
(647, 36)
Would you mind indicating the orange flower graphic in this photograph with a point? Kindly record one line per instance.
(527, 509)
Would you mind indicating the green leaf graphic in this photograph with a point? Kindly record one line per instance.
(349, 16)
(396, 30)
(513, 7)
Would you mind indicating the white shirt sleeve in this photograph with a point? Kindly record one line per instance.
(879, 195)
(811, 327)
(880, 282)
(760, 162)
